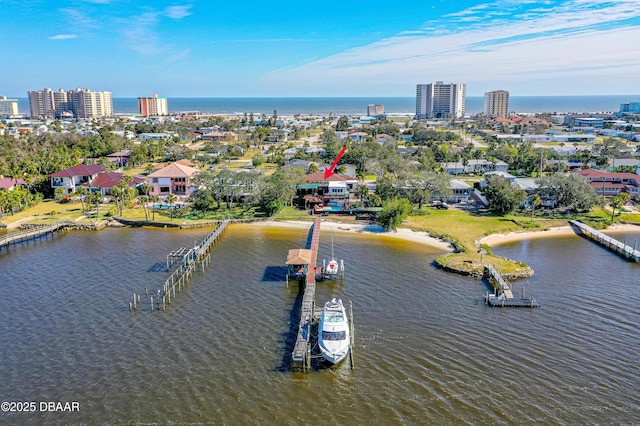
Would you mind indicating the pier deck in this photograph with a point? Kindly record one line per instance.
(505, 296)
(630, 253)
(31, 234)
(301, 352)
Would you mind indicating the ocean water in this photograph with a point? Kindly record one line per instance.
(354, 106)
(427, 349)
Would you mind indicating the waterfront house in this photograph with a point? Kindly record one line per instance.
(70, 179)
(174, 179)
(612, 184)
(474, 166)
(330, 194)
(104, 182)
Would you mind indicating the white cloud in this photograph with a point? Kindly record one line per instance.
(177, 12)
(63, 37)
(578, 46)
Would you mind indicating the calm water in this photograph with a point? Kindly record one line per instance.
(397, 105)
(427, 349)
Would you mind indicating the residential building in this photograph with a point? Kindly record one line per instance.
(70, 179)
(173, 179)
(440, 100)
(11, 183)
(89, 104)
(8, 107)
(78, 103)
(105, 181)
(630, 108)
(374, 110)
(496, 103)
(474, 166)
(153, 106)
(612, 184)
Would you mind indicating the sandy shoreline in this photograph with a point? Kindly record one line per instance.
(497, 239)
(425, 238)
(402, 233)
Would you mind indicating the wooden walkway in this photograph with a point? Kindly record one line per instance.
(32, 234)
(628, 252)
(191, 258)
(301, 354)
(505, 297)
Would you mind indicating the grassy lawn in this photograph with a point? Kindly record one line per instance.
(466, 228)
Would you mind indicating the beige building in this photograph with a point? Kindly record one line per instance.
(153, 106)
(440, 100)
(79, 103)
(8, 107)
(174, 179)
(496, 103)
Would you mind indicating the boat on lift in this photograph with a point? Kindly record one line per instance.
(334, 335)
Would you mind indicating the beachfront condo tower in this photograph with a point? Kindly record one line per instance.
(496, 103)
(77, 103)
(440, 100)
(152, 106)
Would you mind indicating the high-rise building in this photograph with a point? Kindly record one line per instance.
(630, 107)
(88, 104)
(440, 100)
(8, 107)
(496, 103)
(80, 103)
(152, 106)
(374, 110)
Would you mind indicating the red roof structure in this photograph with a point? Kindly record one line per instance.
(7, 183)
(81, 170)
(318, 177)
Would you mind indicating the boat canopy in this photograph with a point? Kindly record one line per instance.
(299, 257)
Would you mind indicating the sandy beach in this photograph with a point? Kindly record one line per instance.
(401, 233)
(497, 239)
(425, 238)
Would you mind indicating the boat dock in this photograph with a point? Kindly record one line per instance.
(301, 354)
(619, 247)
(504, 290)
(14, 238)
(189, 261)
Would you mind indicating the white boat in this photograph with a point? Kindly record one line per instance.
(334, 336)
(332, 267)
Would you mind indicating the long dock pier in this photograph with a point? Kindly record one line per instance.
(14, 238)
(301, 354)
(504, 296)
(619, 247)
(190, 259)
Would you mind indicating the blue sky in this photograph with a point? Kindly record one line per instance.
(210, 48)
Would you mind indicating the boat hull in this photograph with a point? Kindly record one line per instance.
(334, 338)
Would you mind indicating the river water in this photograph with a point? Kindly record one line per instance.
(427, 349)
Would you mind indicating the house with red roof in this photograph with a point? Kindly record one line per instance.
(11, 183)
(107, 180)
(612, 184)
(330, 194)
(70, 179)
(174, 179)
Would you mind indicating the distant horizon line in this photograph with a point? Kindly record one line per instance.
(343, 97)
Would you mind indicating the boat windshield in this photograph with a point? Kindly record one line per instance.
(334, 335)
(334, 317)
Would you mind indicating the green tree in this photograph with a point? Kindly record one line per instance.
(362, 192)
(503, 198)
(568, 190)
(342, 124)
(171, 200)
(618, 202)
(393, 213)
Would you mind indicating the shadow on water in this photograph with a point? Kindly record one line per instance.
(289, 336)
(275, 273)
(158, 267)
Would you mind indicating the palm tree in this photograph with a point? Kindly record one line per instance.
(171, 199)
(534, 202)
(154, 200)
(362, 191)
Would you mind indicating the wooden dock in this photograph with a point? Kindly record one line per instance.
(14, 238)
(301, 354)
(619, 247)
(190, 260)
(504, 290)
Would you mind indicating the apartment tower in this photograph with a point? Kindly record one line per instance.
(8, 107)
(440, 100)
(79, 103)
(496, 103)
(152, 106)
